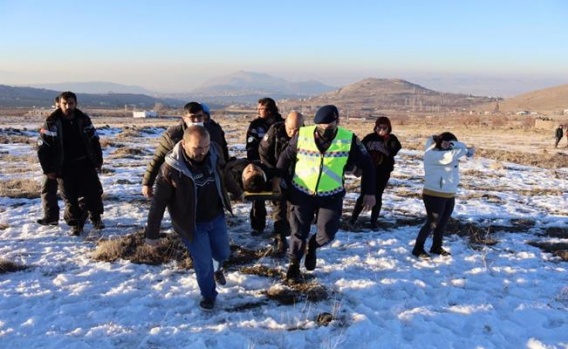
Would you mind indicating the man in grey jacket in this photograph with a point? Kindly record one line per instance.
(191, 186)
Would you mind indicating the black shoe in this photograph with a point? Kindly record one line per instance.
(207, 304)
(48, 221)
(97, 222)
(440, 251)
(352, 226)
(280, 245)
(76, 230)
(293, 274)
(256, 232)
(420, 254)
(220, 277)
(374, 226)
(311, 258)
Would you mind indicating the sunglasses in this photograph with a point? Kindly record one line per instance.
(382, 128)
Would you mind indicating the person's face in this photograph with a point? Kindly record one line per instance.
(292, 127)
(197, 147)
(445, 145)
(251, 170)
(67, 106)
(262, 111)
(327, 128)
(382, 130)
(194, 118)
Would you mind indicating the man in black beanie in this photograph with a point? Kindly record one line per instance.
(321, 153)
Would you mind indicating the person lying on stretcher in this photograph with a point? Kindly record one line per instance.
(260, 183)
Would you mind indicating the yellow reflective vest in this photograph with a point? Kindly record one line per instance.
(321, 174)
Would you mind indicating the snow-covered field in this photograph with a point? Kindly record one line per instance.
(508, 295)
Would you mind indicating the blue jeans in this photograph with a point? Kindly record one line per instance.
(210, 242)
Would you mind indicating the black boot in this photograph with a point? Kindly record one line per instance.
(293, 274)
(420, 253)
(280, 245)
(97, 222)
(311, 258)
(48, 221)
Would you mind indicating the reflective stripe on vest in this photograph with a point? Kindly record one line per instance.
(321, 174)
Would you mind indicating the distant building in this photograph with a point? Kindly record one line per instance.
(145, 114)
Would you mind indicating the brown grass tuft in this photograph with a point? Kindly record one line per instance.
(128, 132)
(127, 152)
(133, 248)
(20, 188)
(10, 267)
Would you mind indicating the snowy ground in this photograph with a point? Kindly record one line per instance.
(509, 295)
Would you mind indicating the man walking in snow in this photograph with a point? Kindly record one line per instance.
(191, 186)
(321, 153)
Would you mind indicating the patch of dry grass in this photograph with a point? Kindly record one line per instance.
(20, 188)
(545, 159)
(130, 132)
(127, 152)
(10, 267)
(133, 248)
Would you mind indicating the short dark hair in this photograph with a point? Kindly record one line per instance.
(196, 130)
(192, 108)
(255, 183)
(269, 104)
(67, 95)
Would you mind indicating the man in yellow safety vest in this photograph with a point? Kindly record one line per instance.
(321, 153)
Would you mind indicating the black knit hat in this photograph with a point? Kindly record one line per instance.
(326, 114)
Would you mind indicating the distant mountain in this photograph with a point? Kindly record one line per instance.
(252, 86)
(98, 87)
(548, 100)
(386, 95)
(12, 96)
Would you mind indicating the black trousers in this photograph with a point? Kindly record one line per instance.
(258, 215)
(438, 212)
(303, 208)
(82, 191)
(382, 177)
(279, 215)
(49, 198)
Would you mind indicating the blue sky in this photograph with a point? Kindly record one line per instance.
(173, 46)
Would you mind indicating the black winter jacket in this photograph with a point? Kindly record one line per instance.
(50, 142)
(382, 150)
(273, 143)
(256, 131)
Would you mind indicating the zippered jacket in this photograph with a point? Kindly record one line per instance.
(50, 142)
(441, 169)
